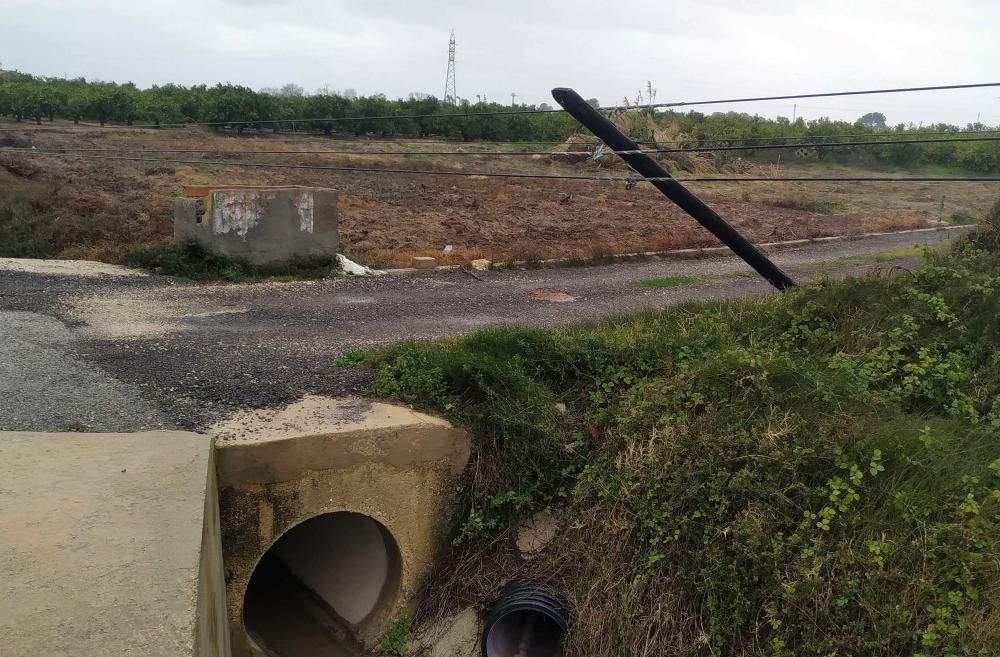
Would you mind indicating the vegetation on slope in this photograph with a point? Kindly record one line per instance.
(810, 474)
(36, 229)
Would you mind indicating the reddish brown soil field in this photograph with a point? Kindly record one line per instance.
(387, 218)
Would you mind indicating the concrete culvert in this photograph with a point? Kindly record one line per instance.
(527, 621)
(315, 590)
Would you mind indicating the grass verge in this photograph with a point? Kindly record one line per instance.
(814, 473)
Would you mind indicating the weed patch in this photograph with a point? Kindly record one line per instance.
(963, 218)
(397, 637)
(805, 204)
(31, 229)
(191, 261)
(669, 281)
(895, 254)
(809, 474)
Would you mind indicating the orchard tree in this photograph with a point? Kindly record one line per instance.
(873, 121)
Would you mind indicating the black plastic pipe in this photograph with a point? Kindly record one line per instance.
(528, 620)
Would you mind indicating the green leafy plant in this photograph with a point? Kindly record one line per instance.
(397, 636)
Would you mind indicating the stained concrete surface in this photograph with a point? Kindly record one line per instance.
(199, 352)
(103, 546)
(265, 225)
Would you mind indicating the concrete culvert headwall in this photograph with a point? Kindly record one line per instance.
(314, 590)
(332, 513)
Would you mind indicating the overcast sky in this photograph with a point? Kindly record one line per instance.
(689, 49)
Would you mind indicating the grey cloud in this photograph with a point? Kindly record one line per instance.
(689, 49)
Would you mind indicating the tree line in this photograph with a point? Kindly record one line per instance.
(240, 109)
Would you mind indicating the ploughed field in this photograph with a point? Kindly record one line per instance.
(104, 207)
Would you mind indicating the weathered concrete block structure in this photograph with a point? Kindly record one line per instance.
(265, 225)
(110, 546)
(332, 512)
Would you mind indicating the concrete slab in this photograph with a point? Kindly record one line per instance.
(110, 546)
(424, 262)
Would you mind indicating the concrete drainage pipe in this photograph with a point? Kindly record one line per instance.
(314, 589)
(527, 621)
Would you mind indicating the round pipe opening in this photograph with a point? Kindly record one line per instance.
(526, 621)
(319, 586)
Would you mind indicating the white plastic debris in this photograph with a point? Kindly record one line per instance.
(348, 266)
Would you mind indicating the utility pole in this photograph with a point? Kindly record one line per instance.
(512, 97)
(450, 95)
(794, 109)
(648, 168)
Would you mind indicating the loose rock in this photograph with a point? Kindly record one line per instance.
(535, 533)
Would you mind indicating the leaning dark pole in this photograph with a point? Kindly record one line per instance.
(649, 168)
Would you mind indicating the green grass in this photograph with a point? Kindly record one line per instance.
(397, 637)
(808, 474)
(191, 261)
(669, 281)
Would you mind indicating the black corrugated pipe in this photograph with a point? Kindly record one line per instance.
(528, 620)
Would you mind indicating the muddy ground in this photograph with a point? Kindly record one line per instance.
(386, 219)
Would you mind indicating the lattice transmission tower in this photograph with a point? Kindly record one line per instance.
(450, 96)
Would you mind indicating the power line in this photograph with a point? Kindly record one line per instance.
(329, 119)
(876, 135)
(744, 147)
(491, 174)
(693, 149)
(754, 99)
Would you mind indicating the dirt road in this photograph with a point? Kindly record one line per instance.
(132, 351)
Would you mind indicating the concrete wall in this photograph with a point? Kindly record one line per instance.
(110, 546)
(397, 466)
(211, 637)
(265, 225)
